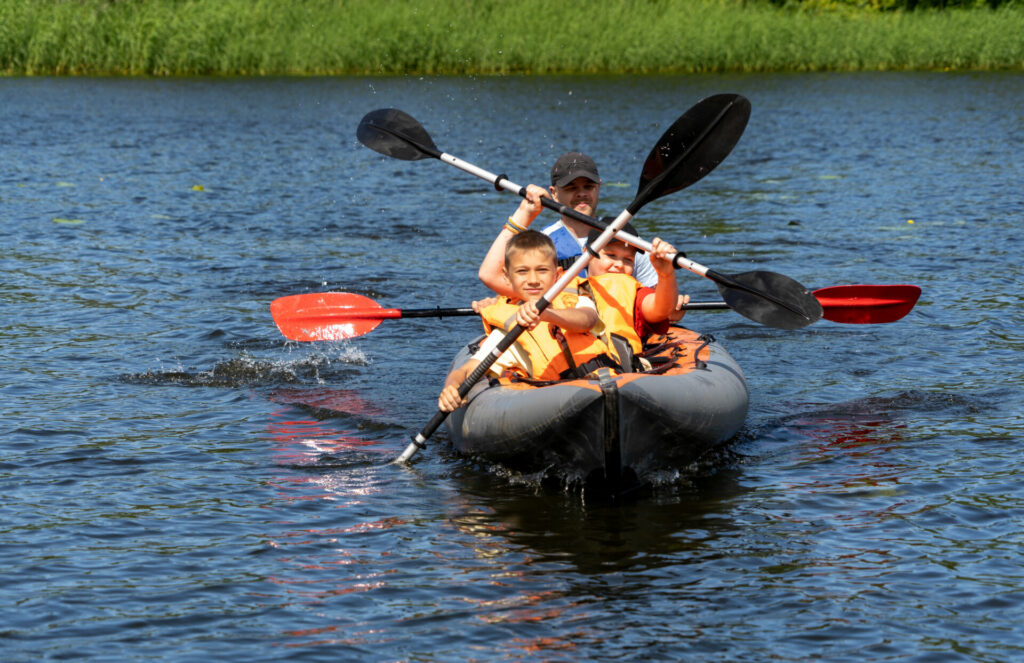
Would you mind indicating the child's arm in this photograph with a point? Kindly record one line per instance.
(662, 304)
(492, 269)
(678, 312)
(578, 319)
(449, 399)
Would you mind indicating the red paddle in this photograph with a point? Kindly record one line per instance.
(335, 316)
(864, 304)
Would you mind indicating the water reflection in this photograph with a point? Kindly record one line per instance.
(595, 537)
(328, 402)
(499, 551)
(328, 485)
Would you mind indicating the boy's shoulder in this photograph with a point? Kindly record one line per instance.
(568, 298)
(577, 288)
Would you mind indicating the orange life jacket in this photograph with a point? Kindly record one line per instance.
(615, 297)
(542, 345)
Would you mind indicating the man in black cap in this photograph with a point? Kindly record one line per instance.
(575, 183)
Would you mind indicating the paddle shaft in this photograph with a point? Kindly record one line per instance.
(420, 439)
(680, 261)
(828, 303)
(393, 313)
(335, 316)
(501, 182)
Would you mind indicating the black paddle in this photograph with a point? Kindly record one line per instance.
(394, 133)
(693, 146)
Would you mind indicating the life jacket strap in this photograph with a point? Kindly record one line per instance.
(564, 345)
(586, 368)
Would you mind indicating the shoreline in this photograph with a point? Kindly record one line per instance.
(168, 38)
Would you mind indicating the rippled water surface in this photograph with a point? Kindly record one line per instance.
(180, 483)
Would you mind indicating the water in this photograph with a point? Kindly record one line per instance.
(179, 483)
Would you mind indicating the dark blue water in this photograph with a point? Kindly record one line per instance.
(179, 483)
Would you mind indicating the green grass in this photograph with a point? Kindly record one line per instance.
(339, 37)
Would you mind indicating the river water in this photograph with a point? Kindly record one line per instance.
(177, 482)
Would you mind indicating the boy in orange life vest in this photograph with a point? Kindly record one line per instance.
(557, 343)
(627, 308)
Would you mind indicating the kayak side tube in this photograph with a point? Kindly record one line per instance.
(621, 426)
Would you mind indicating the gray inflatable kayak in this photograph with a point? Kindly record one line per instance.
(612, 432)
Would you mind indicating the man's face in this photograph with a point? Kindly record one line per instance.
(581, 194)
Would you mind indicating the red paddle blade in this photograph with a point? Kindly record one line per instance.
(867, 304)
(327, 316)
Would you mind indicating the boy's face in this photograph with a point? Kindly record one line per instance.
(615, 257)
(581, 194)
(531, 273)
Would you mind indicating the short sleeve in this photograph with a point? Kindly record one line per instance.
(641, 326)
(509, 358)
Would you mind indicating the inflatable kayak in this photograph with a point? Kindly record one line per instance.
(611, 432)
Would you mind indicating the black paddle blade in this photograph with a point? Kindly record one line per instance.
(692, 147)
(771, 299)
(396, 134)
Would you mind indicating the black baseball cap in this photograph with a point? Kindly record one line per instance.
(572, 165)
(595, 233)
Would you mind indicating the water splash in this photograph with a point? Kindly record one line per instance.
(249, 371)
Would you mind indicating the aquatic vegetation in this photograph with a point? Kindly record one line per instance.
(374, 37)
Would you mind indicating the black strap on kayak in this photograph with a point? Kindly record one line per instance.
(612, 446)
(474, 345)
(566, 352)
(650, 351)
(708, 340)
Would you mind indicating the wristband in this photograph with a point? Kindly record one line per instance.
(513, 226)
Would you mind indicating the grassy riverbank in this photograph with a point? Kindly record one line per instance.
(282, 37)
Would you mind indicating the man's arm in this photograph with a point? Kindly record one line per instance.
(492, 269)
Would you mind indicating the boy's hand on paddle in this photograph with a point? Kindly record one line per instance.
(449, 400)
(677, 314)
(662, 256)
(528, 316)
